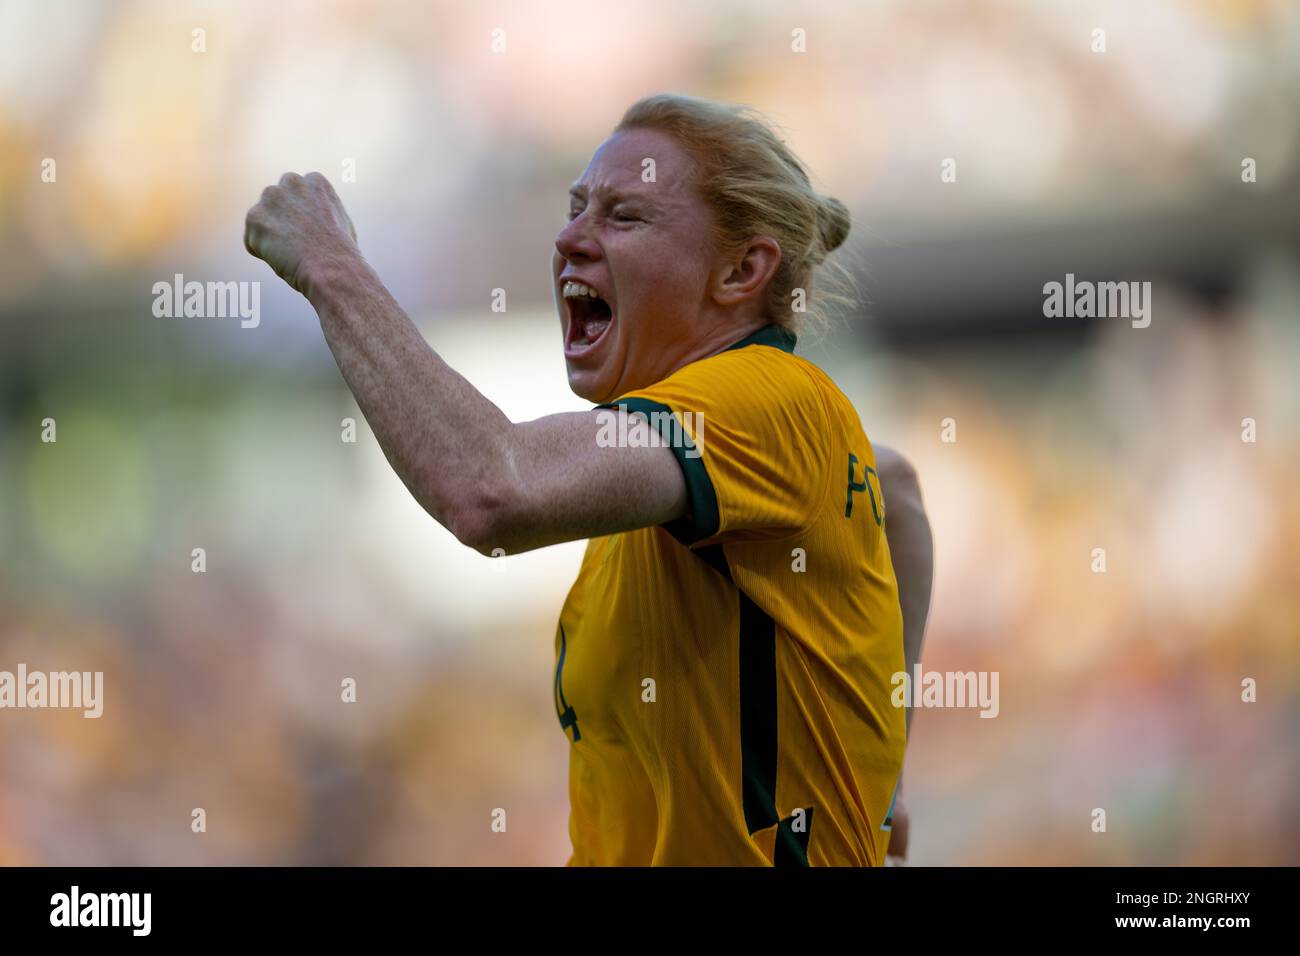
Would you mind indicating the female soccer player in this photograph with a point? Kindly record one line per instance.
(724, 659)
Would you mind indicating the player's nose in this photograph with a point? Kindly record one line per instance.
(574, 242)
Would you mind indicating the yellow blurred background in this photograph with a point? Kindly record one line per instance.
(1120, 690)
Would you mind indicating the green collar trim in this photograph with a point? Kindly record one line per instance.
(772, 335)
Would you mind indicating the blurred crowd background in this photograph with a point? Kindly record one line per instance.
(1119, 690)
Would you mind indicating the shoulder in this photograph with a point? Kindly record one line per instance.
(759, 425)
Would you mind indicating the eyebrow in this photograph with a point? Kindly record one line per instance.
(579, 191)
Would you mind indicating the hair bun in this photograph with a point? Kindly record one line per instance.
(832, 223)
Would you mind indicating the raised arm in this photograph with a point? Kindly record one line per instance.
(497, 486)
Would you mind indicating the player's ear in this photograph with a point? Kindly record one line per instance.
(747, 272)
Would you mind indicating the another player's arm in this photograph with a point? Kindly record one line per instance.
(911, 545)
(493, 483)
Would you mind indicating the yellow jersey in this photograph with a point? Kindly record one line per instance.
(725, 678)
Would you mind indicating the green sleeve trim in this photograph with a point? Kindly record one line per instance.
(702, 520)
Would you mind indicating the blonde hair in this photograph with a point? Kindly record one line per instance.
(757, 186)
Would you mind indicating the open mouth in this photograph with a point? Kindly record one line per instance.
(590, 316)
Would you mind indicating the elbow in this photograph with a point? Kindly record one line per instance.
(478, 497)
(473, 503)
(475, 530)
(479, 517)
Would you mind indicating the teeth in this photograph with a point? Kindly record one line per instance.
(573, 290)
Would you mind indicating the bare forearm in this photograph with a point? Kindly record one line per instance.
(459, 456)
(439, 433)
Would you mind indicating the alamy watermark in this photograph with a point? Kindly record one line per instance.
(208, 300)
(1100, 300)
(130, 910)
(55, 689)
(924, 689)
(653, 429)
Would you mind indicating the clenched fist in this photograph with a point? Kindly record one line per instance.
(299, 227)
